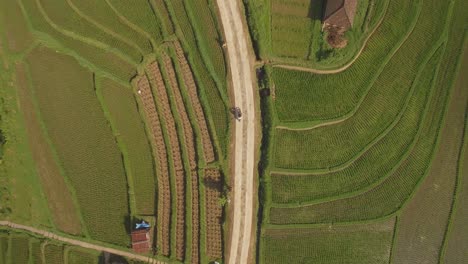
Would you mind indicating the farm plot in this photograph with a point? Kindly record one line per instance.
(295, 25)
(329, 146)
(102, 16)
(208, 150)
(36, 251)
(385, 198)
(65, 213)
(140, 15)
(333, 96)
(353, 244)
(436, 193)
(19, 248)
(100, 58)
(124, 116)
(162, 101)
(83, 140)
(456, 241)
(214, 213)
(16, 29)
(79, 256)
(371, 165)
(211, 89)
(66, 18)
(3, 248)
(161, 161)
(204, 25)
(436, 198)
(160, 8)
(191, 152)
(53, 254)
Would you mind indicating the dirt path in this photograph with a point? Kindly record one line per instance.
(241, 67)
(80, 243)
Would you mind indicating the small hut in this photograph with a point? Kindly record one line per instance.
(141, 240)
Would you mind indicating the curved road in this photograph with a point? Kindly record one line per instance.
(241, 67)
(80, 243)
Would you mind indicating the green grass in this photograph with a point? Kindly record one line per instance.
(53, 254)
(83, 140)
(16, 29)
(129, 128)
(79, 256)
(354, 244)
(371, 165)
(19, 248)
(333, 96)
(333, 145)
(102, 14)
(104, 59)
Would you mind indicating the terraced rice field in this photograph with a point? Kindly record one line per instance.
(119, 106)
(367, 145)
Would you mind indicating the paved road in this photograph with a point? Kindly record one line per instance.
(241, 67)
(80, 243)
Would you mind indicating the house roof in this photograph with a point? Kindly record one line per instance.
(140, 240)
(140, 235)
(340, 13)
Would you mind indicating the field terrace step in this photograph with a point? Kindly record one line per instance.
(189, 80)
(157, 83)
(191, 151)
(162, 169)
(214, 213)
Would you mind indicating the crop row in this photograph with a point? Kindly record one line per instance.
(351, 244)
(192, 90)
(65, 17)
(140, 15)
(214, 213)
(126, 121)
(195, 219)
(162, 100)
(211, 88)
(369, 167)
(181, 109)
(83, 141)
(106, 60)
(204, 24)
(191, 151)
(332, 96)
(329, 146)
(65, 213)
(160, 8)
(159, 148)
(385, 198)
(102, 15)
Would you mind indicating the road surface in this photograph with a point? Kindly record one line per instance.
(241, 67)
(80, 243)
